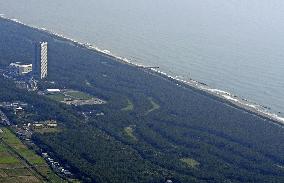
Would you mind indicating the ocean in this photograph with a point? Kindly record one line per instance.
(231, 45)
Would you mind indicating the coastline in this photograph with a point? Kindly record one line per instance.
(224, 96)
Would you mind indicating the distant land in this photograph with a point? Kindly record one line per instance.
(150, 128)
(229, 45)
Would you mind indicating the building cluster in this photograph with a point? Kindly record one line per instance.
(44, 124)
(23, 132)
(27, 83)
(20, 69)
(3, 119)
(26, 75)
(17, 106)
(56, 165)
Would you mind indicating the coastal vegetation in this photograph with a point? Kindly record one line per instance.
(186, 136)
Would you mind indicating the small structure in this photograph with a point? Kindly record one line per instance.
(18, 110)
(44, 155)
(51, 91)
(21, 69)
(51, 125)
(169, 181)
(38, 125)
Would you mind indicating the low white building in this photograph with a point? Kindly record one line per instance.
(52, 90)
(22, 69)
(38, 125)
(52, 125)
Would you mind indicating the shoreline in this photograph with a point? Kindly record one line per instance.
(226, 97)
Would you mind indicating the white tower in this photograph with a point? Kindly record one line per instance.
(43, 62)
(40, 61)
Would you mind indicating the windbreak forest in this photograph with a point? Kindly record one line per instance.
(151, 129)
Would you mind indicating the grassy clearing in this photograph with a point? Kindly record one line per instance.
(71, 95)
(32, 157)
(129, 106)
(56, 96)
(129, 131)
(155, 106)
(17, 145)
(190, 162)
(9, 137)
(77, 95)
(5, 157)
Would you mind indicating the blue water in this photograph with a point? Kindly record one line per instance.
(233, 45)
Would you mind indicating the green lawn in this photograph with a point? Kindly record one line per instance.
(17, 145)
(56, 96)
(190, 162)
(154, 107)
(77, 95)
(9, 137)
(130, 133)
(129, 106)
(31, 156)
(72, 94)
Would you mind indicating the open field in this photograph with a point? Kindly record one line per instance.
(190, 162)
(77, 95)
(57, 97)
(73, 97)
(129, 132)
(20, 164)
(129, 106)
(155, 106)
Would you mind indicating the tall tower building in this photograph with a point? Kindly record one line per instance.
(40, 61)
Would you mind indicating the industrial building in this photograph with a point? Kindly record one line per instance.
(40, 61)
(21, 69)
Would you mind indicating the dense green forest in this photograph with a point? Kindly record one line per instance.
(152, 129)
